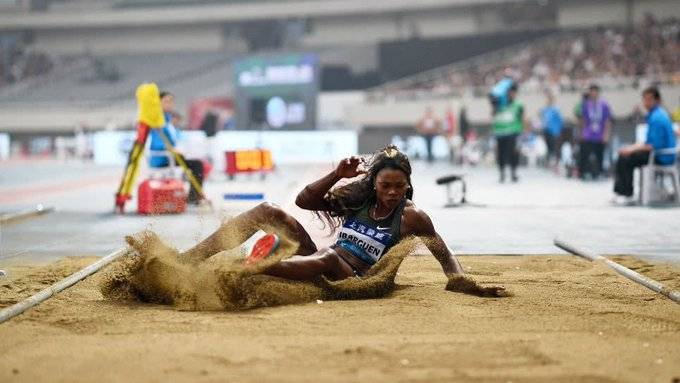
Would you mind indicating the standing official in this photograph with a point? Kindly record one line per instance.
(429, 127)
(551, 123)
(595, 130)
(508, 123)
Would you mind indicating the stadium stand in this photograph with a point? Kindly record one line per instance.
(114, 77)
(19, 62)
(93, 79)
(615, 57)
(163, 3)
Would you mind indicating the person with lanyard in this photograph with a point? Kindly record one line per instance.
(660, 136)
(371, 214)
(172, 134)
(551, 122)
(595, 130)
(508, 123)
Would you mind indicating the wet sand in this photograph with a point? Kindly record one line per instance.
(568, 321)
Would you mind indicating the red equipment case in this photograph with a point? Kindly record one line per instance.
(163, 196)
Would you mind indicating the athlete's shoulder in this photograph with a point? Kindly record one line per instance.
(416, 219)
(410, 208)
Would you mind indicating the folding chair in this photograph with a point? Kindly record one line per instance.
(169, 171)
(652, 178)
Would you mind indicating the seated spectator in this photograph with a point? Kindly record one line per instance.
(171, 132)
(659, 136)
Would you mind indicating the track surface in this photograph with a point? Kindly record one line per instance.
(518, 218)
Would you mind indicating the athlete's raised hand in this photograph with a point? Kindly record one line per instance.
(350, 167)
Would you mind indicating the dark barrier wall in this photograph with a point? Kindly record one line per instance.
(406, 57)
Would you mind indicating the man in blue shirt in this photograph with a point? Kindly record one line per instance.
(169, 130)
(551, 122)
(659, 136)
(172, 134)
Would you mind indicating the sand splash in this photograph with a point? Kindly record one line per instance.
(208, 277)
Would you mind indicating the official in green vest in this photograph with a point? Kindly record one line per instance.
(507, 126)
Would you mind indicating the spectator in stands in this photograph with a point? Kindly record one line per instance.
(171, 133)
(429, 127)
(18, 63)
(659, 136)
(551, 123)
(594, 133)
(508, 123)
(615, 57)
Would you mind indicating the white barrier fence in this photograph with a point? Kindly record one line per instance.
(4, 146)
(112, 147)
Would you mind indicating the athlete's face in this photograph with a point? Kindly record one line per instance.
(391, 186)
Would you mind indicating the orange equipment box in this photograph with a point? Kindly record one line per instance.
(248, 161)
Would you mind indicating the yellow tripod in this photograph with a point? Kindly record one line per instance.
(150, 116)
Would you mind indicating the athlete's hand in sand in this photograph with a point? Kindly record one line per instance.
(466, 285)
(350, 167)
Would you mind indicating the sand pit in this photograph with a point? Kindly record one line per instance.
(569, 320)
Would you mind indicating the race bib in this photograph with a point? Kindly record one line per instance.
(373, 240)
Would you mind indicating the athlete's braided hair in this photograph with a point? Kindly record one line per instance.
(348, 199)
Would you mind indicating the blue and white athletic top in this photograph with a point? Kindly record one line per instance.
(368, 239)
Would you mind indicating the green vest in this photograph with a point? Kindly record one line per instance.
(508, 120)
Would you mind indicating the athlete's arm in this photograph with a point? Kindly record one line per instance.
(419, 223)
(312, 196)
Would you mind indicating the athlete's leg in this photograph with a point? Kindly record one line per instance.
(269, 213)
(324, 262)
(229, 236)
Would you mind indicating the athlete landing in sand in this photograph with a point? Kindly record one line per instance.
(373, 213)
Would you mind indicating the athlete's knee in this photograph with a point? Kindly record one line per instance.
(270, 209)
(330, 258)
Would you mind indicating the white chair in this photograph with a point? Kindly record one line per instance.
(169, 171)
(652, 178)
